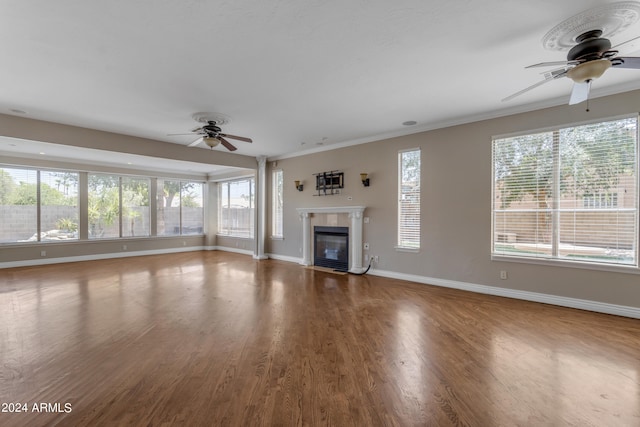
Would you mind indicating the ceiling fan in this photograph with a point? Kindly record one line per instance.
(211, 134)
(587, 60)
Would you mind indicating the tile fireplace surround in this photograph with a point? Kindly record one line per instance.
(355, 214)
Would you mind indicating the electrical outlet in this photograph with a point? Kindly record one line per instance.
(366, 220)
(503, 274)
(124, 247)
(376, 259)
(43, 253)
(366, 258)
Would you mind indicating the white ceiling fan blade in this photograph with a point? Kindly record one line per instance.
(553, 64)
(580, 92)
(535, 85)
(196, 142)
(617, 47)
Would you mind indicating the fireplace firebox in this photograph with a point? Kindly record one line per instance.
(331, 247)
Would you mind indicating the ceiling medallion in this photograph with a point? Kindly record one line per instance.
(611, 19)
(204, 117)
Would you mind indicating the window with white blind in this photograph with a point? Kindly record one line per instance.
(38, 206)
(277, 204)
(409, 199)
(568, 194)
(236, 204)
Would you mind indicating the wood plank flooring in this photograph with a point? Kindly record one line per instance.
(214, 338)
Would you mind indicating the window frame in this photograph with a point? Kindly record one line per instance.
(277, 204)
(82, 205)
(230, 232)
(401, 246)
(179, 196)
(39, 236)
(555, 260)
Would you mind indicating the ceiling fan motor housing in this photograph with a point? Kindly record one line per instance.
(590, 46)
(211, 129)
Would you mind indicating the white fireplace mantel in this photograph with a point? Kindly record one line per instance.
(355, 233)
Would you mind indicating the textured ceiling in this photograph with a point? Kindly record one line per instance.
(293, 75)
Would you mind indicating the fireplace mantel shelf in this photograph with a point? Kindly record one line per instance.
(355, 233)
(338, 209)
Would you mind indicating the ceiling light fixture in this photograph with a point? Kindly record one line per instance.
(589, 70)
(211, 141)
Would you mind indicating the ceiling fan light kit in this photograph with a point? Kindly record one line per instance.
(211, 141)
(590, 53)
(588, 70)
(211, 133)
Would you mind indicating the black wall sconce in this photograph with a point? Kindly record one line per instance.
(365, 179)
(299, 186)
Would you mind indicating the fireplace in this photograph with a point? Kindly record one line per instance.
(331, 247)
(355, 214)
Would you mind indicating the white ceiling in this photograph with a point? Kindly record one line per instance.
(293, 75)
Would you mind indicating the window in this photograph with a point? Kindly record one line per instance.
(58, 205)
(19, 204)
(118, 206)
(38, 206)
(235, 207)
(43, 206)
(135, 207)
(192, 201)
(104, 206)
(409, 199)
(568, 193)
(277, 204)
(180, 207)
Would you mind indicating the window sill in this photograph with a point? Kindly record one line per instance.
(614, 268)
(233, 236)
(406, 249)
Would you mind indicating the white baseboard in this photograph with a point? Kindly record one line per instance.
(286, 258)
(228, 249)
(600, 307)
(94, 257)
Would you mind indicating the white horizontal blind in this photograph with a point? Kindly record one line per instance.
(277, 204)
(569, 193)
(409, 199)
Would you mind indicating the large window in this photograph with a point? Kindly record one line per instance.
(180, 207)
(42, 206)
(135, 207)
(58, 205)
(38, 206)
(568, 193)
(277, 204)
(235, 207)
(409, 199)
(118, 206)
(104, 206)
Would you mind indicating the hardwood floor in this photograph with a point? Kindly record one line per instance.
(214, 338)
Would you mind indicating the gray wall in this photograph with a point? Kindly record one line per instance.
(455, 204)
(28, 129)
